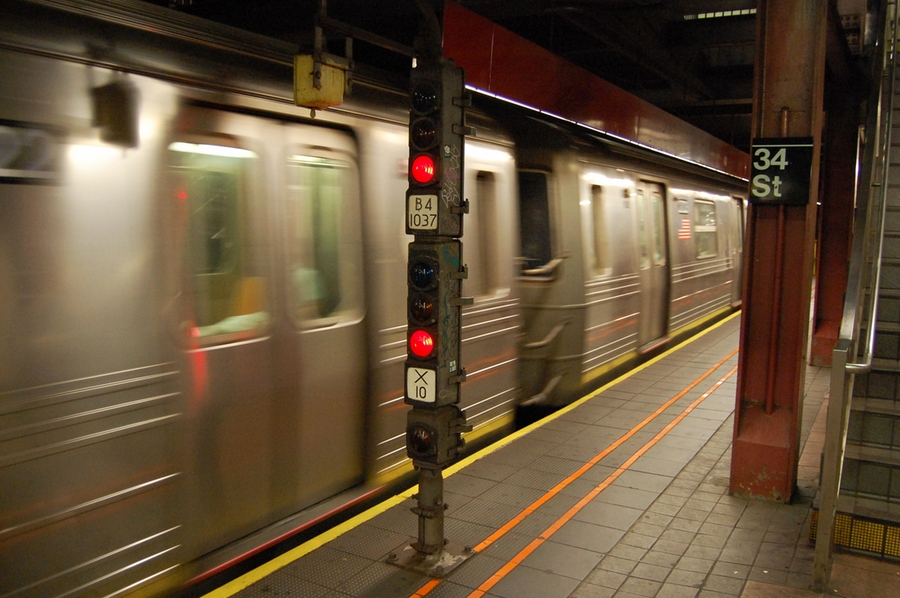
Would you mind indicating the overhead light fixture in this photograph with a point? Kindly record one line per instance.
(224, 151)
(743, 12)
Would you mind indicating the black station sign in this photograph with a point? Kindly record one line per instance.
(780, 170)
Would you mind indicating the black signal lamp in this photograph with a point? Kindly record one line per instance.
(420, 439)
(421, 309)
(423, 273)
(424, 99)
(423, 134)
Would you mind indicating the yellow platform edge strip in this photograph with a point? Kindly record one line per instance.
(287, 558)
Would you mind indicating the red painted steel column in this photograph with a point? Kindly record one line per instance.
(839, 158)
(789, 84)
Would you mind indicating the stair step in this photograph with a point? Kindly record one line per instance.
(871, 472)
(887, 407)
(891, 247)
(879, 384)
(887, 342)
(871, 429)
(870, 454)
(890, 275)
(886, 365)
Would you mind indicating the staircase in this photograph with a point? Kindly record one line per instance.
(870, 482)
(868, 506)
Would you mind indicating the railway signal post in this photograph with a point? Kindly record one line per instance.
(435, 271)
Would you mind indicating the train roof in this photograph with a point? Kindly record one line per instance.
(125, 35)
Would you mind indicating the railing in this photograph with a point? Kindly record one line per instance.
(864, 276)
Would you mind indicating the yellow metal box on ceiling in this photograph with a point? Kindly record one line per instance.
(330, 91)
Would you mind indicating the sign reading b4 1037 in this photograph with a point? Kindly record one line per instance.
(780, 170)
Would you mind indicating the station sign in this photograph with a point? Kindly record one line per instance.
(780, 170)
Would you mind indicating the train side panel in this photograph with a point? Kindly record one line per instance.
(704, 251)
(90, 403)
(550, 276)
(491, 326)
(612, 285)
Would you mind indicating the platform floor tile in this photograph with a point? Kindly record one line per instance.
(663, 524)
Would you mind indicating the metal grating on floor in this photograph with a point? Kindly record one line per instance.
(878, 538)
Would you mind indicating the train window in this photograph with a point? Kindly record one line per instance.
(738, 220)
(600, 260)
(643, 231)
(228, 288)
(659, 228)
(534, 219)
(705, 228)
(483, 276)
(320, 253)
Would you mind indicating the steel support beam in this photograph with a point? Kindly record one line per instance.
(844, 91)
(788, 102)
(840, 150)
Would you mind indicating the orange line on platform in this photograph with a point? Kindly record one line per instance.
(546, 534)
(512, 523)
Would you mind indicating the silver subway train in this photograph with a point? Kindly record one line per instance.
(202, 288)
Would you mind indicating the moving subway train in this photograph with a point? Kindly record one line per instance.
(202, 316)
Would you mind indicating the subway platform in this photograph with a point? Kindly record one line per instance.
(623, 494)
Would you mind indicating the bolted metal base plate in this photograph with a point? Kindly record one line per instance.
(432, 565)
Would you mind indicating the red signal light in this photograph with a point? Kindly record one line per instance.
(422, 169)
(421, 343)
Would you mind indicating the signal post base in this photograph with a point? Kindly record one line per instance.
(433, 565)
(432, 554)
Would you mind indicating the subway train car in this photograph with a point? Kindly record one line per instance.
(620, 256)
(202, 288)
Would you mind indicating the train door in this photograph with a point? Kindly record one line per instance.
(267, 247)
(323, 277)
(737, 250)
(650, 207)
(221, 259)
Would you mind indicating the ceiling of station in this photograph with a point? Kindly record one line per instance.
(693, 58)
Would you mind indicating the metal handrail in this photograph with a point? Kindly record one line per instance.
(864, 365)
(855, 277)
(867, 231)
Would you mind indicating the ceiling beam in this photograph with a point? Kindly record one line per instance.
(642, 49)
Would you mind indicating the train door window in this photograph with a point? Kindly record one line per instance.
(483, 276)
(321, 251)
(224, 260)
(534, 219)
(659, 228)
(601, 263)
(738, 226)
(643, 230)
(705, 228)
